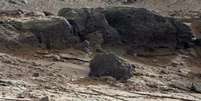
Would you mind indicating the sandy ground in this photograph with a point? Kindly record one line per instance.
(62, 76)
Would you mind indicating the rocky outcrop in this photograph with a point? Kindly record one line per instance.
(89, 20)
(45, 32)
(140, 28)
(136, 28)
(111, 65)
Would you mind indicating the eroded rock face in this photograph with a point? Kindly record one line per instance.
(136, 28)
(110, 65)
(140, 28)
(89, 20)
(46, 32)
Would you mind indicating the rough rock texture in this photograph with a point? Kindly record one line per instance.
(196, 87)
(46, 32)
(89, 20)
(110, 65)
(142, 28)
(137, 28)
(8, 36)
(95, 39)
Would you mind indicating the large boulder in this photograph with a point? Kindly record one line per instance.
(141, 28)
(89, 20)
(44, 32)
(111, 65)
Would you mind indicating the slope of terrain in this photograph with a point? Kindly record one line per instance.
(42, 74)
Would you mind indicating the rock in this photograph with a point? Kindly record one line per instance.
(46, 98)
(48, 13)
(110, 65)
(21, 13)
(42, 52)
(128, 1)
(196, 28)
(34, 14)
(89, 20)
(95, 39)
(36, 75)
(140, 28)
(85, 46)
(184, 71)
(18, 1)
(197, 42)
(45, 32)
(196, 87)
(11, 13)
(56, 58)
(181, 85)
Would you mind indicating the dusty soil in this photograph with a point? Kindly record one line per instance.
(62, 76)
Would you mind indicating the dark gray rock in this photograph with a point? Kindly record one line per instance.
(89, 20)
(140, 28)
(110, 65)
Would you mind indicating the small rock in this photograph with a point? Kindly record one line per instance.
(174, 64)
(42, 52)
(48, 13)
(21, 95)
(46, 98)
(196, 87)
(36, 74)
(164, 71)
(35, 64)
(56, 57)
(11, 13)
(85, 45)
(35, 14)
(18, 1)
(184, 71)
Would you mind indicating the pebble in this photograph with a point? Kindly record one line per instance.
(46, 98)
